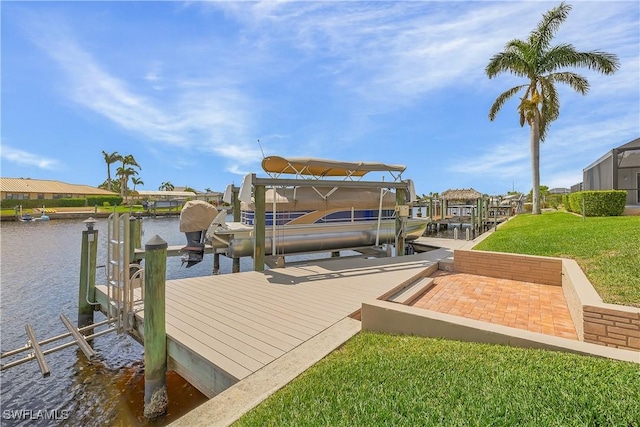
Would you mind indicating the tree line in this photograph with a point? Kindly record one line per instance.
(128, 170)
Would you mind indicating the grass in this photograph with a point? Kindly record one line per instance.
(606, 248)
(377, 379)
(101, 209)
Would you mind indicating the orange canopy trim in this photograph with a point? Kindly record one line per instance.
(322, 167)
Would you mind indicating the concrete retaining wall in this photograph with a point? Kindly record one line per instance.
(389, 317)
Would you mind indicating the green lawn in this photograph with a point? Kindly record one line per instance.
(377, 379)
(606, 248)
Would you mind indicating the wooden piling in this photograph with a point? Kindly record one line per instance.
(216, 263)
(87, 288)
(135, 242)
(236, 204)
(155, 336)
(473, 223)
(259, 223)
(400, 222)
(431, 208)
(135, 238)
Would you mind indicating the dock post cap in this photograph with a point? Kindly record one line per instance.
(156, 242)
(89, 222)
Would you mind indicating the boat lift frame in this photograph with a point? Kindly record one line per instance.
(259, 185)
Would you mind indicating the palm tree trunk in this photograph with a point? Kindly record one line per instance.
(535, 162)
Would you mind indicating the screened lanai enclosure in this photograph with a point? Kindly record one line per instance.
(619, 169)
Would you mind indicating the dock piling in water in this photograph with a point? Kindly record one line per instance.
(259, 224)
(87, 287)
(216, 263)
(155, 335)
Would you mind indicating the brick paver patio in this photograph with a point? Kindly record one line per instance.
(523, 305)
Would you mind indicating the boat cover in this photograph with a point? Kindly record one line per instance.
(310, 199)
(322, 167)
(196, 215)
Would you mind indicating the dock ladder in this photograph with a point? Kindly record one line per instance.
(123, 278)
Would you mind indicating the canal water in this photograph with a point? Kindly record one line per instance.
(39, 275)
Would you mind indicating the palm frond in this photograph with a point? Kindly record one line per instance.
(576, 81)
(602, 62)
(565, 55)
(502, 99)
(541, 37)
(510, 60)
(550, 109)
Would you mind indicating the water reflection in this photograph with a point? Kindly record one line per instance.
(39, 269)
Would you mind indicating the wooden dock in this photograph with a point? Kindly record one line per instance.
(222, 328)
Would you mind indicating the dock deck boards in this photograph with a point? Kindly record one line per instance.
(240, 322)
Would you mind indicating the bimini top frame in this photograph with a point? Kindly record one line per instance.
(313, 170)
(320, 168)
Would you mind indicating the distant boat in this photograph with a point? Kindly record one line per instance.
(29, 218)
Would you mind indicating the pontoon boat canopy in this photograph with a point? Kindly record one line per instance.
(321, 167)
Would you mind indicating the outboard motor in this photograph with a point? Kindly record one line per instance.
(195, 218)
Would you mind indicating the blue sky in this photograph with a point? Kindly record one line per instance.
(188, 88)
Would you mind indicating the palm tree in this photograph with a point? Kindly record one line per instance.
(540, 63)
(109, 160)
(166, 186)
(130, 160)
(125, 173)
(136, 181)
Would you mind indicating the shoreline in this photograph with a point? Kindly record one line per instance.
(89, 214)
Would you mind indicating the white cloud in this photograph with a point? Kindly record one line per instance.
(203, 115)
(24, 158)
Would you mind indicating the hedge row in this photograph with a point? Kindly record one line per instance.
(60, 203)
(101, 200)
(597, 203)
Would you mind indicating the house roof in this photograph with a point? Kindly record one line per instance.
(628, 155)
(631, 145)
(28, 185)
(463, 194)
(161, 193)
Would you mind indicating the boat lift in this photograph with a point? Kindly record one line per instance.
(122, 279)
(312, 172)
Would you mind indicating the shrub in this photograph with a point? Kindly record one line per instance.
(71, 203)
(101, 200)
(598, 203)
(554, 200)
(38, 203)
